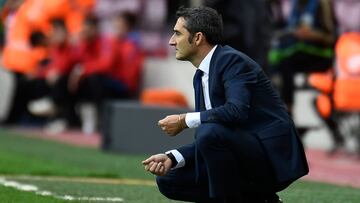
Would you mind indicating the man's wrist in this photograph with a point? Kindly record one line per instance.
(182, 121)
(172, 158)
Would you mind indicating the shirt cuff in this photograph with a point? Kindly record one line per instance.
(179, 158)
(193, 119)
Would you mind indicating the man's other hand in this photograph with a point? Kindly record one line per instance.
(158, 164)
(173, 124)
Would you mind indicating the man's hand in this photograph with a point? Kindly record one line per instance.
(74, 78)
(52, 76)
(173, 124)
(305, 32)
(158, 164)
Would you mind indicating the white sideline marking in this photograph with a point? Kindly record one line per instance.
(115, 181)
(33, 188)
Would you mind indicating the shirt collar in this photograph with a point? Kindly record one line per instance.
(205, 63)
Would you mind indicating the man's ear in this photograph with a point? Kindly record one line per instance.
(199, 38)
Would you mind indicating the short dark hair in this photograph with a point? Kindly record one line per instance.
(205, 20)
(91, 20)
(129, 17)
(58, 22)
(37, 38)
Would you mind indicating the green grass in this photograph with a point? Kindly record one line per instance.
(20, 155)
(10, 195)
(311, 192)
(130, 193)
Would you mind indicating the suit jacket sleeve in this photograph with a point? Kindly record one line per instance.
(238, 76)
(188, 152)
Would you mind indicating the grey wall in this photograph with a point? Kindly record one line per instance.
(132, 128)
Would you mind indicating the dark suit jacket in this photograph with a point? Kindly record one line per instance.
(243, 98)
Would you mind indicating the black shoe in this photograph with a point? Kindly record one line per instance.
(273, 199)
(255, 200)
(263, 201)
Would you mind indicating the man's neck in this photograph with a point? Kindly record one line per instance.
(201, 54)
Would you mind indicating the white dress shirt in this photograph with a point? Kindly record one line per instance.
(193, 119)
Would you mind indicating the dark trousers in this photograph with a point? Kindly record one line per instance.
(94, 89)
(25, 91)
(229, 165)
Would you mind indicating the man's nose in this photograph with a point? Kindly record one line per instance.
(172, 41)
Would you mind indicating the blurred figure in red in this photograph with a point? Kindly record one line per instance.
(26, 83)
(52, 78)
(130, 58)
(79, 75)
(60, 54)
(95, 69)
(90, 82)
(106, 67)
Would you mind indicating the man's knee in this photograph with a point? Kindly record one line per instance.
(209, 134)
(179, 188)
(164, 185)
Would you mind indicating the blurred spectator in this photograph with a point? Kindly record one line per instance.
(60, 53)
(25, 82)
(78, 10)
(107, 9)
(129, 56)
(305, 45)
(88, 82)
(21, 19)
(53, 77)
(279, 12)
(104, 68)
(95, 56)
(17, 35)
(246, 26)
(151, 14)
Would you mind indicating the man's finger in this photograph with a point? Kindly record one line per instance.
(147, 167)
(161, 170)
(153, 167)
(157, 169)
(161, 122)
(148, 160)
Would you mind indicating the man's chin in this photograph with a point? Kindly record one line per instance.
(180, 58)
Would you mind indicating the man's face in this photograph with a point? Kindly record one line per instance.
(89, 31)
(180, 40)
(58, 35)
(120, 26)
